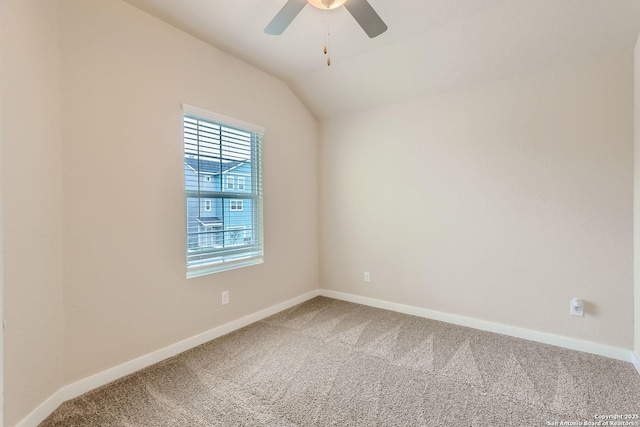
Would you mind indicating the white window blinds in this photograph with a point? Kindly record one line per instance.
(224, 222)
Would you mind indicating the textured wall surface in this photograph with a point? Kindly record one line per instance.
(125, 75)
(498, 202)
(32, 204)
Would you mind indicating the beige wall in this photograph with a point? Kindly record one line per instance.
(498, 202)
(32, 201)
(636, 199)
(125, 75)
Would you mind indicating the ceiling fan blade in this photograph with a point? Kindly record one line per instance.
(367, 17)
(286, 15)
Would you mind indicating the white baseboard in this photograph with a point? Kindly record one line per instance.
(78, 388)
(498, 328)
(635, 359)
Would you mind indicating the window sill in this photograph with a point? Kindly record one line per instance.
(218, 268)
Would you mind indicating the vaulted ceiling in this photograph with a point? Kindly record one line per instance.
(431, 46)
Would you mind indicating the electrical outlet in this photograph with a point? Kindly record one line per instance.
(225, 297)
(367, 277)
(576, 307)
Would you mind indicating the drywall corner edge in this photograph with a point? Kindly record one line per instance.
(85, 385)
(498, 328)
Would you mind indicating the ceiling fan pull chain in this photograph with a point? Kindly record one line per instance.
(326, 49)
(326, 40)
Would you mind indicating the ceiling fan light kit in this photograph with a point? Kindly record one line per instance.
(327, 4)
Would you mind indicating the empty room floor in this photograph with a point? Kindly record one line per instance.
(333, 363)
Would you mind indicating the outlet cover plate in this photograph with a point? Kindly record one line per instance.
(576, 307)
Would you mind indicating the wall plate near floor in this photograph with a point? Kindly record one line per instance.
(225, 297)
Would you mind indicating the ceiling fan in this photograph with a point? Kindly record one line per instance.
(361, 11)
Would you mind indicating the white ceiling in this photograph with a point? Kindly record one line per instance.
(431, 45)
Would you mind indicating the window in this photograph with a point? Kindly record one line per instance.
(221, 238)
(236, 205)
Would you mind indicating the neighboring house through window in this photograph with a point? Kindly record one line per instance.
(223, 230)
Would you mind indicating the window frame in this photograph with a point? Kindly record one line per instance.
(240, 183)
(203, 261)
(230, 180)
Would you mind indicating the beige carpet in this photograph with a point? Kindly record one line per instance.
(333, 363)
